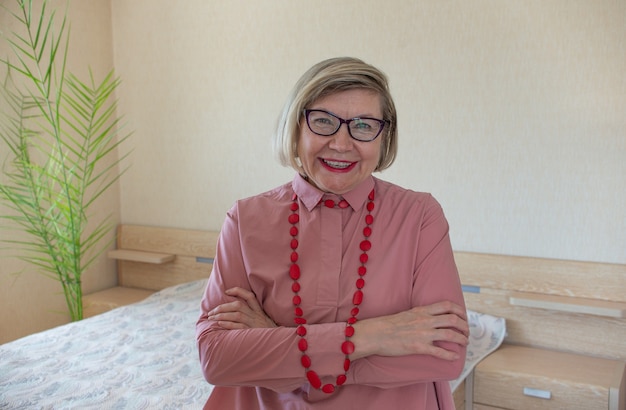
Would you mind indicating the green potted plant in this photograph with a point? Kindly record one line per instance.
(59, 151)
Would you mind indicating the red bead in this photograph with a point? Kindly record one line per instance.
(294, 197)
(314, 379)
(347, 347)
(294, 272)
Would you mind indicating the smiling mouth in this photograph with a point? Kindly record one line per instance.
(337, 165)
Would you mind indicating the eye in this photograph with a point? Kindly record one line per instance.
(322, 123)
(361, 125)
(323, 120)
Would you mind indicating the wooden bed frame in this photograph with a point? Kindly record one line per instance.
(566, 332)
(150, 259)
(566, 320)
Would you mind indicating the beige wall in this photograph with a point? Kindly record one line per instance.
(30, 302)
(511, 113)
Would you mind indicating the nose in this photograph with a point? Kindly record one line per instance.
(341, 140)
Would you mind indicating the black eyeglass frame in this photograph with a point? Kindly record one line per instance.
(382, 123)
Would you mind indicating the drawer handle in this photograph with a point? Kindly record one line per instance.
(541, 394)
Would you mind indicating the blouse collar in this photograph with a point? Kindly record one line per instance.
(311, 196)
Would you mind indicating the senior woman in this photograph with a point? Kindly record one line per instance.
(336, 290)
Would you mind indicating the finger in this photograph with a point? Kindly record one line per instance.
(243, 312)
(452, 321)
(225, 324)
(445, 307)
(230, 317)
(236, 306)
(452, 336)
(239, 292)
(246, 295)
(442, 353)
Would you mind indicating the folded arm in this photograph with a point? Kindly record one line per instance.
(240, 344)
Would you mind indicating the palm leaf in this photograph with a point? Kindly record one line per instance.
(63, 139)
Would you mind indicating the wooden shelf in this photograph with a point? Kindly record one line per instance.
(141, 256)
(586, 306)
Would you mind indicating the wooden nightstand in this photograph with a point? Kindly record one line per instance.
(107, 299)
(515, 377)
(150, 259)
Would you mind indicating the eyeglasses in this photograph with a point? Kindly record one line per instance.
(323, 123)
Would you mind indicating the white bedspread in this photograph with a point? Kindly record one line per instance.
(141, 356)
(486, 335)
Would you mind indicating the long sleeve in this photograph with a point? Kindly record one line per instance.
(435, 279)
(410, 264)
(254, 357)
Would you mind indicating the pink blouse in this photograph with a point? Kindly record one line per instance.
(410, 264)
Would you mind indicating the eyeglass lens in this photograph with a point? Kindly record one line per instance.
(323, 123)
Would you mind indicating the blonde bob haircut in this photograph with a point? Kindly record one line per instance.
(325, 78)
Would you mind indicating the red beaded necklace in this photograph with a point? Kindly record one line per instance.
(347, 347)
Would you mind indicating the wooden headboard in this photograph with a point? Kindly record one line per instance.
(554, 304)
(566, 333)
(154, 258)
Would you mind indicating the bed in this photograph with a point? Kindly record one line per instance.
(140, 356)
(143, 355)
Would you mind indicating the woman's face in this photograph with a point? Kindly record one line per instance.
(338, 163)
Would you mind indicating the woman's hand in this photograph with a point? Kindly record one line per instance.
(413, 331)
(243, 313)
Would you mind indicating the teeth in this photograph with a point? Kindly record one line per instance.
(337, 164)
